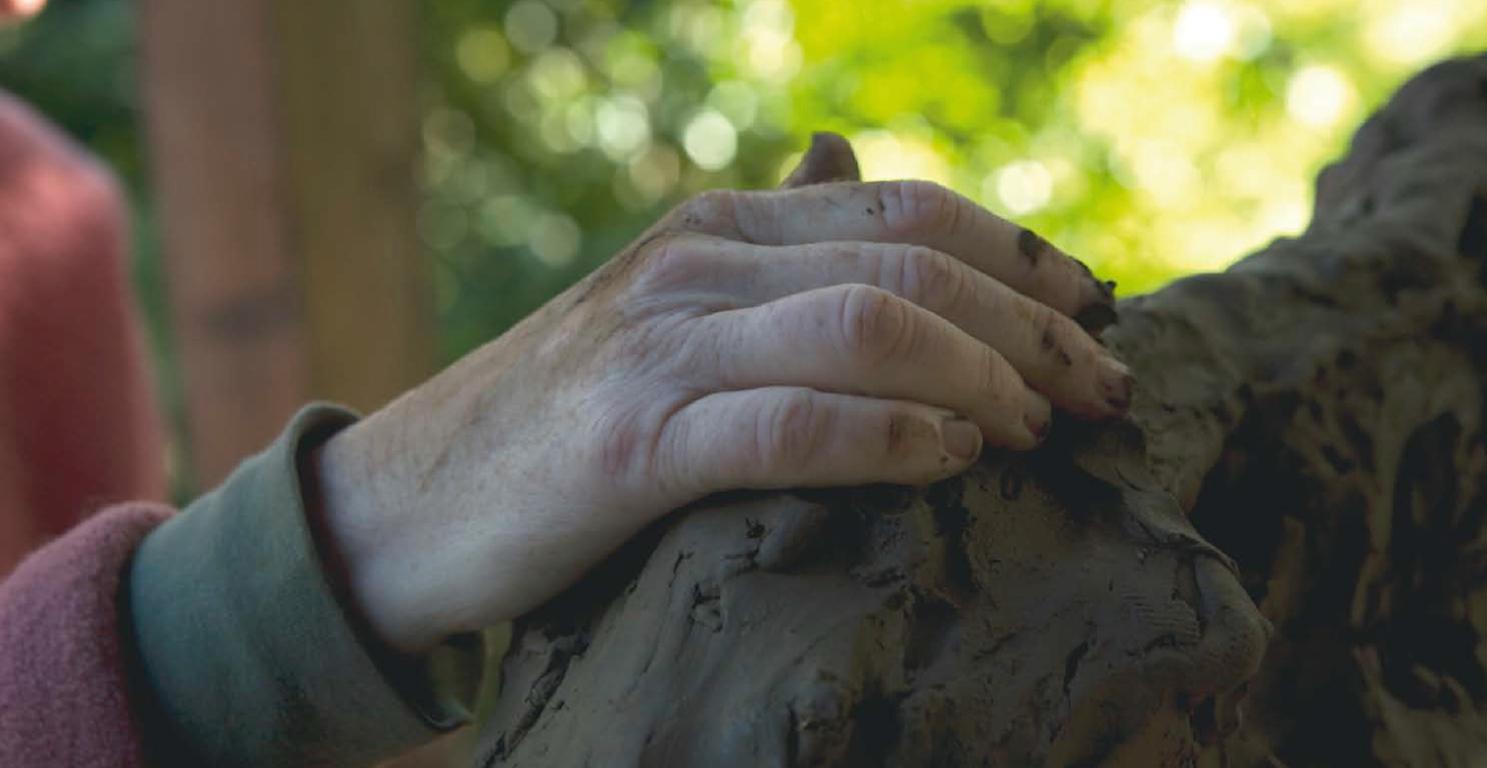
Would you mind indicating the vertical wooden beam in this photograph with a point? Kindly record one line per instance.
(348, 98)
(282, 136)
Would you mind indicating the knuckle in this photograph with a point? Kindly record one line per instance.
(713, 211)
(1041, 321)
(914, 207)
(874, 323)
(929, 278)
(998, 383)
(672, 262)
(677, 467)
(622, 445)
(1056, 335)
(903, 434)
(791, 430)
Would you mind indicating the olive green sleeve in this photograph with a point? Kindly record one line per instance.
(244, 653)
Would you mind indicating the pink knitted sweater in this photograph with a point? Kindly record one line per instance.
(62, 680)
(78, 424)
(78, 430)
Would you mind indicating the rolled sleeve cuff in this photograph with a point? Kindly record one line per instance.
(244, 646)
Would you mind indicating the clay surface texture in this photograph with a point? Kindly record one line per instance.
(1278, 558)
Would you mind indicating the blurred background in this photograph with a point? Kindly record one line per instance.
(405, 181)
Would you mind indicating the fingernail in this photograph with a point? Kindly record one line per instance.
(1037, 415)
(961, 439)
(1116, 384)
(1038, 427)
(1091, 290)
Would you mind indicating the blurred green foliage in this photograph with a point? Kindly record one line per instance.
(1149, 138)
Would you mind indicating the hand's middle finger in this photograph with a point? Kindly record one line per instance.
(861, 340)
(1047, 349)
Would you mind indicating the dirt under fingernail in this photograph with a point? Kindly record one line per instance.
(1038, 427)
(1117, 386)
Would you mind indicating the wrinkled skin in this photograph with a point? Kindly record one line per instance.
(899, 610)
(749, 340)
(1318, 408)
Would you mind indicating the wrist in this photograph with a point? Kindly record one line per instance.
(361, 547)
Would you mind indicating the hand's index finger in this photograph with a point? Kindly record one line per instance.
(922, 213)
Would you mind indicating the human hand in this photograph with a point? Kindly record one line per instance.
(822, 335)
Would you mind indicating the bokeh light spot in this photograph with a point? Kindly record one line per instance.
(557, 75)
(504, 220)
(629, 62)
(1286, 213)
(554, 239)
(1165, 173)
(697, 26)
(553, 129)
(483, 55)
(885, 155)
(710, 140)
(623, 126)
(737, 100)
(1413, 32)
(1023, 187)
(1204, 31)
(1319, 96)
(531, 25)
(654, 174)
(769, 46)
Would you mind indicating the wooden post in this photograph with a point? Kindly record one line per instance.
(283, 135)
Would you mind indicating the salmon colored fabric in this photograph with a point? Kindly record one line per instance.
(79, 427)
(78, 430)
(63, 679)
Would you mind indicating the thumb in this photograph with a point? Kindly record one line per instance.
(830, 158)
